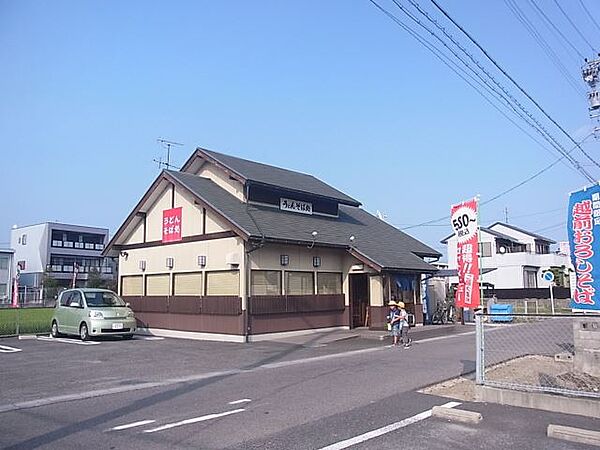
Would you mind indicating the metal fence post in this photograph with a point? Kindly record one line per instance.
(480, 355)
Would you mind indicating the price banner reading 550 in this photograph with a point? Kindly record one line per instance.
(463, 218)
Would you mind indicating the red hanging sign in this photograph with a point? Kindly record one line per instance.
(171, 225)
(464, 223)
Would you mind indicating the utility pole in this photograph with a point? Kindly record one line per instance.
(167, 145)
(506, 214)
(591, 75)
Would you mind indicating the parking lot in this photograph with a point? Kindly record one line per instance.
(155, 393)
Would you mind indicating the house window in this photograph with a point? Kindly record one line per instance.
(299, 283)
(188, 283)
(3, 290)
(158, 284)
(223, 283)
(24, 239)
(132, 285)
(266, 282)
(530, 278)
(329, 283)
(3, 262)
(485, 249)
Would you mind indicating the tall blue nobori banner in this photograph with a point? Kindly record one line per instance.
(583, 227)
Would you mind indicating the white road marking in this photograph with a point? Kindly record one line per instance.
(194, 420)
(7, 349)
(23, 337)
(66, 341)
(440, 338)
(149, 338)
(237, 402)
(384, 430)
(132, 425)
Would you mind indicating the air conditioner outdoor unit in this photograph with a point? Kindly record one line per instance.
(233, 259)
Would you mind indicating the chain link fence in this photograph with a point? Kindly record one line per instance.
(34, 314)
(537, 352)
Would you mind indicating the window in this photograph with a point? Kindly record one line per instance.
(56, 243)
(76, 298)
(530, 278)
(24, 239)
(89, 246)
(485, 249)
(329, 283)
(21, 265)
(266, 282)
(3, 262)
(188, 283)
(65, 298)
(3, 291)
(299, 283)
(223, 283)
(132, 285)
(158, 284)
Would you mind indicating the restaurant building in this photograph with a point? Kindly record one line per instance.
(231, 249)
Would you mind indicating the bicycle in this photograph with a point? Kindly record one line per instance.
(444, 313)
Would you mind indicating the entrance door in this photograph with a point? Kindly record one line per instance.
(359, 299)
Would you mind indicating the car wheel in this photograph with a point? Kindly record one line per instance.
(128, 336)
(54, 329)
(83, 332)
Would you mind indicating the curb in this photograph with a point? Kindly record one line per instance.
(456, 415)
(579, 435)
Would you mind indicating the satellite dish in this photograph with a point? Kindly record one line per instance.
(502, 249)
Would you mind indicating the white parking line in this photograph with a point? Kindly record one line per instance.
(132, 425)
(149, 338)
(194, 420)
(384, 430)
(237, 402)
(7, 349)
(66, 341)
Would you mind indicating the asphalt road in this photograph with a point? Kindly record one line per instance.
(190, 394)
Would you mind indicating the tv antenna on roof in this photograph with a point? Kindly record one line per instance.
(166, 144)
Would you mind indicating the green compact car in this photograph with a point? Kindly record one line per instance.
(92, 312)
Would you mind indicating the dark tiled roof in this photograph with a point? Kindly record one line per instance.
(381, 243)
(276, 176)
(521, 230)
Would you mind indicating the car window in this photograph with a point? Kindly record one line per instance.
(65, 298)
(102, 299)
(76, 298)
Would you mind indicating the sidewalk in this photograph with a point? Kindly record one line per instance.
(318, 339)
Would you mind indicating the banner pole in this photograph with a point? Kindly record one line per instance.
(479, 251)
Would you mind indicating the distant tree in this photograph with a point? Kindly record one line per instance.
(95, 279)
(48, 281)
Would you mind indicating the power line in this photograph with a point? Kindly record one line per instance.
(523, 91)
(530, 27)
(551, 227)
(574, 26)
(591, 17)
(481, 81)
(501, 194)
(520, 216)
(555, 28)
(538, 126)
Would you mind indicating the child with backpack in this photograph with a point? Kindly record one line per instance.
(404, 325)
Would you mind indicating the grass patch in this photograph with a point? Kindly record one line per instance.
(30, 320)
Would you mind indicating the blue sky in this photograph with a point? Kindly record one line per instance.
(331, 88)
